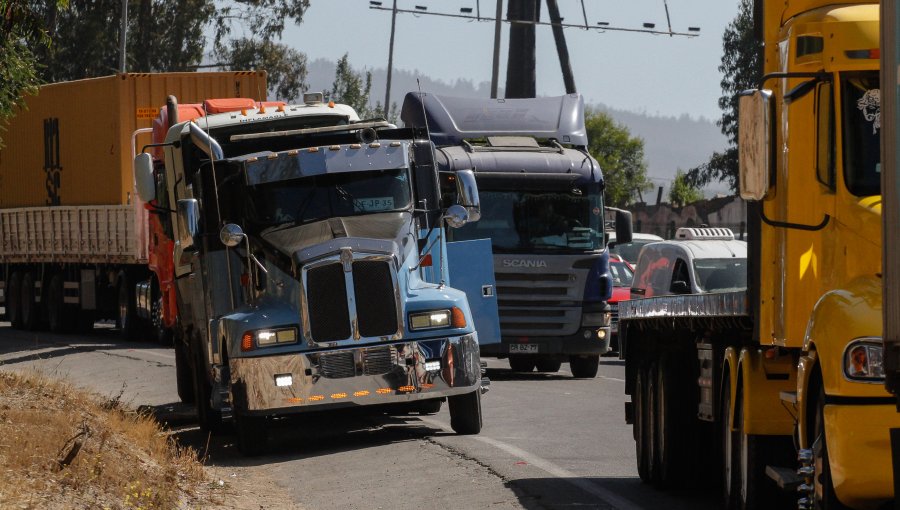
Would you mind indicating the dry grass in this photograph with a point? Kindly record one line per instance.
(63, 448)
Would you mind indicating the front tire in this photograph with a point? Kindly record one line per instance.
(584, 367)
(465, 413)
(183, 375)
(210, 419)
(127, 319)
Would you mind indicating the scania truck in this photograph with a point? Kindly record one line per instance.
(311, 267)
(544, 214)
(782, 386)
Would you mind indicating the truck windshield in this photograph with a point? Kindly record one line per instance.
(530, 221)
(714, 275)
(861, 113)
(308, 199)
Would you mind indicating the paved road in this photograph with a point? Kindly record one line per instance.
(549, 441)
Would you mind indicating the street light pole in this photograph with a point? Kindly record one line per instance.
(123, 29)
(387, 90)
(495, 72)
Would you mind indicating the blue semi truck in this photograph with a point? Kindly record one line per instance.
(311, 266)
(543, 210)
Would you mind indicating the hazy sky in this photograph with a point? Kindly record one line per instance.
(655, 74)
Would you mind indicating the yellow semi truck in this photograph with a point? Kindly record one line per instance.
(782, 386)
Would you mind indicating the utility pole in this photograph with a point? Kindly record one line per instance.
(123, 30)
(387, 90)
(521, 64)
(495, 72)
(561, 48)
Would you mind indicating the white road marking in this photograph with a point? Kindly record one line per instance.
(591, 488)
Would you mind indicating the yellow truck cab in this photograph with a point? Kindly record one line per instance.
(810, 162)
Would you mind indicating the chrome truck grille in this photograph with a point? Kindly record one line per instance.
(360, 303)
(539, 299)
(342, 364)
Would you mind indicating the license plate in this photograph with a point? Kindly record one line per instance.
(523, 347)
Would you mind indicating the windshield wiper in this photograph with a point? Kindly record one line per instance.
(346, 195)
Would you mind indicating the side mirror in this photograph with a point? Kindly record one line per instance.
(456, 216)
(231, 235)
(624, 227)
(144, 180)
(467, 194)
(755, 143)
(188, 211)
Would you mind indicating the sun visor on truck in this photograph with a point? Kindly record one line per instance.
(454, 119)
(265, 167)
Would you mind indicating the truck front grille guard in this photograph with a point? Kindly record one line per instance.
(350, 296)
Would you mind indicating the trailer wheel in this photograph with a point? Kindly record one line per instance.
(183, 374)
(126, 319)
(639, 404)
(729, 445)
(59, 316)
(652, 444)
(584, 367)
(757, 491)
(252, 434)
(14, 299)
(548, 365)
(465, 413)
(824, 495)
(28, 312)
(666, 423)
(210, 419)
(521, 363)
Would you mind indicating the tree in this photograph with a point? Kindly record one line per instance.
(682, 193)
(286, 67)
(19, 75)
(621, 158)
(741, 68)
(353, 89)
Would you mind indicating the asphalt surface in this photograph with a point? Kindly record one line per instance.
(549, 441)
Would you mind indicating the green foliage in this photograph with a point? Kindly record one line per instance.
(741, 67)
(621, 158)
(682, 193)
(19, 76)
(353, 89)
(286, 66)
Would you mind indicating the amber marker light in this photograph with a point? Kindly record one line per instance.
(384, 391)
(458, 319)
(316, 398)
(338, 396)
(247, 342)
(406, 388)
(364, 393)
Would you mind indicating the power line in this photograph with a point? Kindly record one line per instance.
(602, 26)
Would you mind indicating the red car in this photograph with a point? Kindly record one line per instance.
(622, 274)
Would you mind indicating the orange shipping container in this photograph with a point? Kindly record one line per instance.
(71, 146)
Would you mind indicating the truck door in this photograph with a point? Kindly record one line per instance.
(471, 269)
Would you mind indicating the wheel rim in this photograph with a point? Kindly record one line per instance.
(745, 451)
(727, 441)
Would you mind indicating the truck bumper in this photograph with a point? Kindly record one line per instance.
(575, 344)
(366, 375)
(859, 450)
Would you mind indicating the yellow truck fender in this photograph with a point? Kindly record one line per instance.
(805, 369)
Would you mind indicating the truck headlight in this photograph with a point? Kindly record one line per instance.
(435, 319)
(601, 319)
(863, 360)
(268, 337)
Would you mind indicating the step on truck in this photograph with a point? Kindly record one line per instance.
(544, 214)
(781, 386)
(78, 246)
(311, 267)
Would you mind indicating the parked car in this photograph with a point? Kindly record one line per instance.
(630, 251)
(698, 260)
(622, 276)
